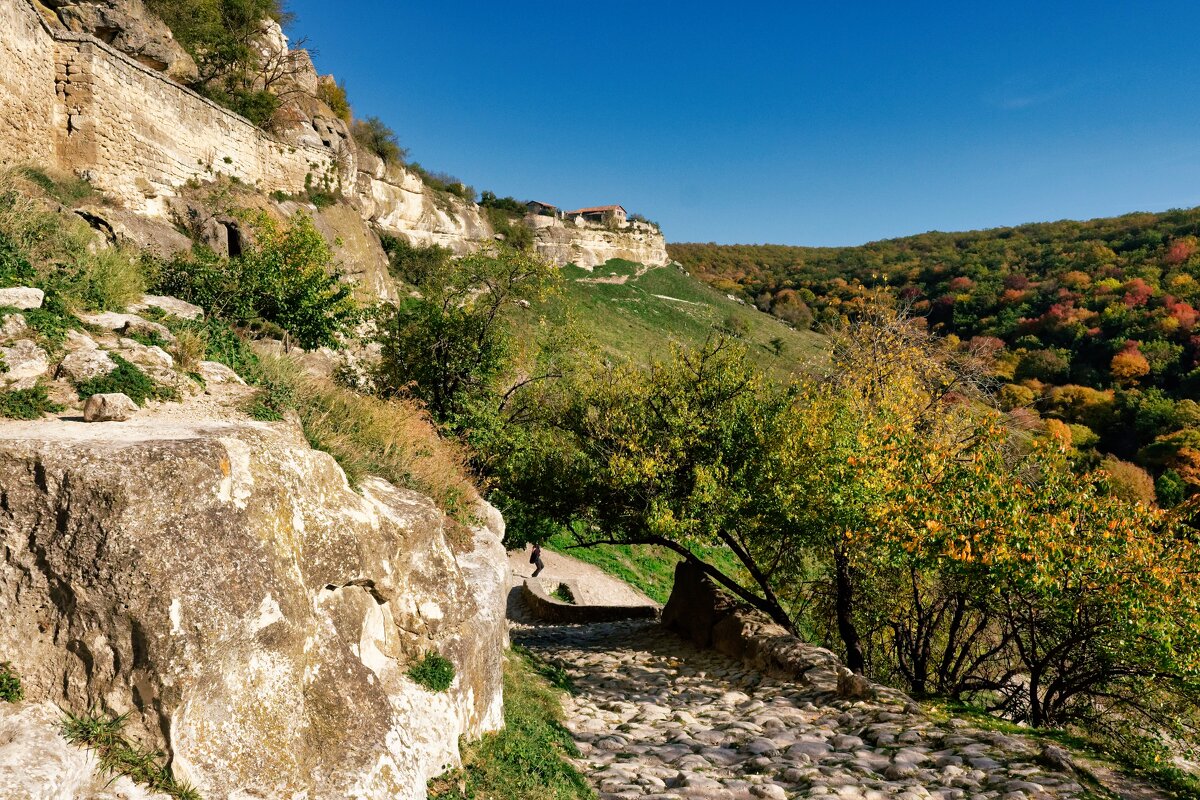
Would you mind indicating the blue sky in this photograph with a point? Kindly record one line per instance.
(818, 123)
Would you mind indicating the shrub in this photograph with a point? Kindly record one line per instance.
(27, 403)
(563, 592)
(509, 204)
(128, 380)
(11, 690)
(376, 137)
(117, 755)
(434, 672)
(516, 234)
(333, 94)
(284, 280)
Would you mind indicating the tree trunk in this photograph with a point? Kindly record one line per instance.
(845, 613)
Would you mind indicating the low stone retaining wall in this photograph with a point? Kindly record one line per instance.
(703, 614)
(548, 609)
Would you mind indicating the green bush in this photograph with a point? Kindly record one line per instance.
(515, 232)
(563, 592)
(285, 279)
(434, 672)
(15, 268)
(510, 204)
(374, 135)
(128, 380)
(334, 95)
(117, 755)
(272, 400)
(27, 403)
(11, 690)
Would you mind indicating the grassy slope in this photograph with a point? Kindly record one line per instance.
(651, 570)
(634, 320)
(529, 757)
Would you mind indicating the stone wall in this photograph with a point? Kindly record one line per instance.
(139, 136)
(708, 617)
(74, 103)
(549, 609)
(27, 103)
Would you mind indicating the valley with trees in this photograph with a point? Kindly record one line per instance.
(918, 518)
(1087, 327)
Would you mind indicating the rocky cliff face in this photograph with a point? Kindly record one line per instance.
(92, 88)
(587, 245)
(220, 582)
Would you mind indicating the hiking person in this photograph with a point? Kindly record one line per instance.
(536, 558)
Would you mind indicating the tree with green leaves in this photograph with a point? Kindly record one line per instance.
(452, 345)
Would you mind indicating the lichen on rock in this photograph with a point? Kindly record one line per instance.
(221, 583)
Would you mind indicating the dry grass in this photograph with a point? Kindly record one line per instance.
(393, 439)
(67, 257)
(190, 348)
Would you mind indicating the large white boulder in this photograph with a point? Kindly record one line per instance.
(222, 584)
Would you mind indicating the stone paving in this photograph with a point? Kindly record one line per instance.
(657, 718)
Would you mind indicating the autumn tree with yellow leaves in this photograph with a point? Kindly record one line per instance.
(887, 507)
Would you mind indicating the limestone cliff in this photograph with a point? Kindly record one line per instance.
(220, 582)
(589, 245)
(109, 109)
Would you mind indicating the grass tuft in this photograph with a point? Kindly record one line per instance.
(117, 755)
(529, 759)
(392, 439)
(434, 672)
(126, 379)
(27, 403)
(563, 593)
(11, 690)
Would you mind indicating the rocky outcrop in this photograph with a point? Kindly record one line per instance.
(37, 763)
(589, 245)
(221, 583)
(128, 26)
(399, 202)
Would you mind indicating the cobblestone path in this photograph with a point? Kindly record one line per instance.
(658, 718)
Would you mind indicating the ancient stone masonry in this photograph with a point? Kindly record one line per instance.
(73, 102)
(26, 86)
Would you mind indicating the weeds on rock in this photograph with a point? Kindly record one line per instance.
(117, 755)
(27, 403)
(434, 672)
(11, 690)
(563, 593)
(128, 380)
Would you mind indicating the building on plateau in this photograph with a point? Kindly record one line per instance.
(601, 214)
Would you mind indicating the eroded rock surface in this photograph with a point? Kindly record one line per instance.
(128, 26)
(221, 583)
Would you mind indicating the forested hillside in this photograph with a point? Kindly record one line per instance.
(1091, 324)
